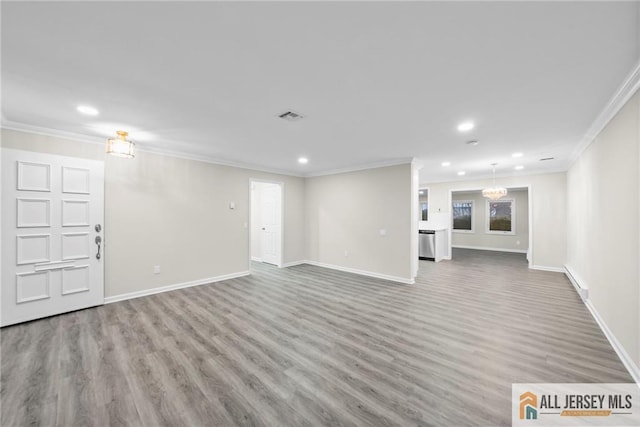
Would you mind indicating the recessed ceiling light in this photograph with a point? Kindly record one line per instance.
(421, 192)
(465, 126)
(85, 109)
(519, 167)
(445, 164)
(461, 173)
(303, 160)
(516, 155)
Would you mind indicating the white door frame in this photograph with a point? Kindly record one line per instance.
(282, 214)
(529, 219)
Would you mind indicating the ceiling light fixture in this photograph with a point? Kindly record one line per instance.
(519, 167)
(445, 164)
(303, 160)
(120, 146)
(516, 155)
(495, 192)
(421, 192)
(461, 173)
(85, 109)
(465, 126)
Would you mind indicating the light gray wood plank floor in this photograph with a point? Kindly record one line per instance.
(310, 346)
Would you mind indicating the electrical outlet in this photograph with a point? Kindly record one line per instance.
(346, 253)
(156, 269)
(518, 242)
(383, 232)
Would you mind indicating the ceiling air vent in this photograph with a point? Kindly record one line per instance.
(544, 159)
(291, 116)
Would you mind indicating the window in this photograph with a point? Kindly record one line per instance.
(501, 216)
(424, 211)
(423, 202)
(462, 216)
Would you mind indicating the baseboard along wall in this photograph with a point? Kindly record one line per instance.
(482, 248)
(583, 291)
(361, 272)
(138, 294)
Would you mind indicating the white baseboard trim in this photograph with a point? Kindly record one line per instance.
(580, 285)
(627, 361)
(138, 294)
(547, 268)
(362, 272)
(482, 248)
(256, 259)
(293, 263)
(582, 289)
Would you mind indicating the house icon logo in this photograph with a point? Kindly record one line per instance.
(528, 406)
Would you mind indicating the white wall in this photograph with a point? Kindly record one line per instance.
(345, 212)
(603, 234)
(172, 212)
(480, 238)
(548, 211)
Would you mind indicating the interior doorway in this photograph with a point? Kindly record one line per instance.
(266, 229)
(502, 225)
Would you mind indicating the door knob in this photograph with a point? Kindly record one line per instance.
(98, 228)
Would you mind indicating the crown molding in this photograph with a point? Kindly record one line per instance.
(220, 162)
(365, 166)
(628, 88)
(22, 127)
(487, 177)
(38, 130)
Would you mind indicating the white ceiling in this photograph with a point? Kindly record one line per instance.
(378, 82)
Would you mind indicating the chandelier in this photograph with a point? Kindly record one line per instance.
(495, 192)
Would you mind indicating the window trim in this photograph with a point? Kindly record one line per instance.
(473, 217)
(487, 215)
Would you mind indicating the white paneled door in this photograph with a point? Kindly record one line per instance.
(52, 235)
(271, 211)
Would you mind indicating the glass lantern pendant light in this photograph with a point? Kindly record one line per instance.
(120, 146)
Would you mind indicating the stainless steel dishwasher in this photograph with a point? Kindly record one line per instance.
(427, 245)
